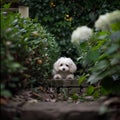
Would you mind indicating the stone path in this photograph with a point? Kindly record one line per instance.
(53, 111)
(60, 111)
(26, 107)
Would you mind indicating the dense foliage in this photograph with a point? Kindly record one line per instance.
(27, 52)
(100, 54)
(61, 17)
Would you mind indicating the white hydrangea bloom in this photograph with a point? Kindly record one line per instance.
(81, 34)
(104, 21)
(114, 16)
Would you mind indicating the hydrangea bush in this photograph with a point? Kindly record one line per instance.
(100, 54)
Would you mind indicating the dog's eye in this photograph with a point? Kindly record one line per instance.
(67, 65)
(61, 64)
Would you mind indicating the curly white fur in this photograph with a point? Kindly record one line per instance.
(64, 68)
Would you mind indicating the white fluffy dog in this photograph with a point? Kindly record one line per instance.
(64, 68)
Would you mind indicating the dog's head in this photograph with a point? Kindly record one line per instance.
(65, 65)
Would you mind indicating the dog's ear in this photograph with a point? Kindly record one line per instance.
(56, 65)
(73, 66)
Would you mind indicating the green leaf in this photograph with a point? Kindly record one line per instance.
(83, 46)
(81, 79)
(6, 93)
(103, 56)
(116, 26)
(101, 35)
(64, 92)
(15, 65)
(96, 94)
(90, 90)
(7, 5)
(94, 78)
(75, 96)
(113, 48)
(93, 55)
(103, 91)
(115, 36)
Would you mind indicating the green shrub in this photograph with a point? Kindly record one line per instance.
(28, 52)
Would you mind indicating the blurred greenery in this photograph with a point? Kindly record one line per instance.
(100, 57)
(61, 17)
(28, 52)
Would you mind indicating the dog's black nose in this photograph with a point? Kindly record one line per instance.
(63, 69)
